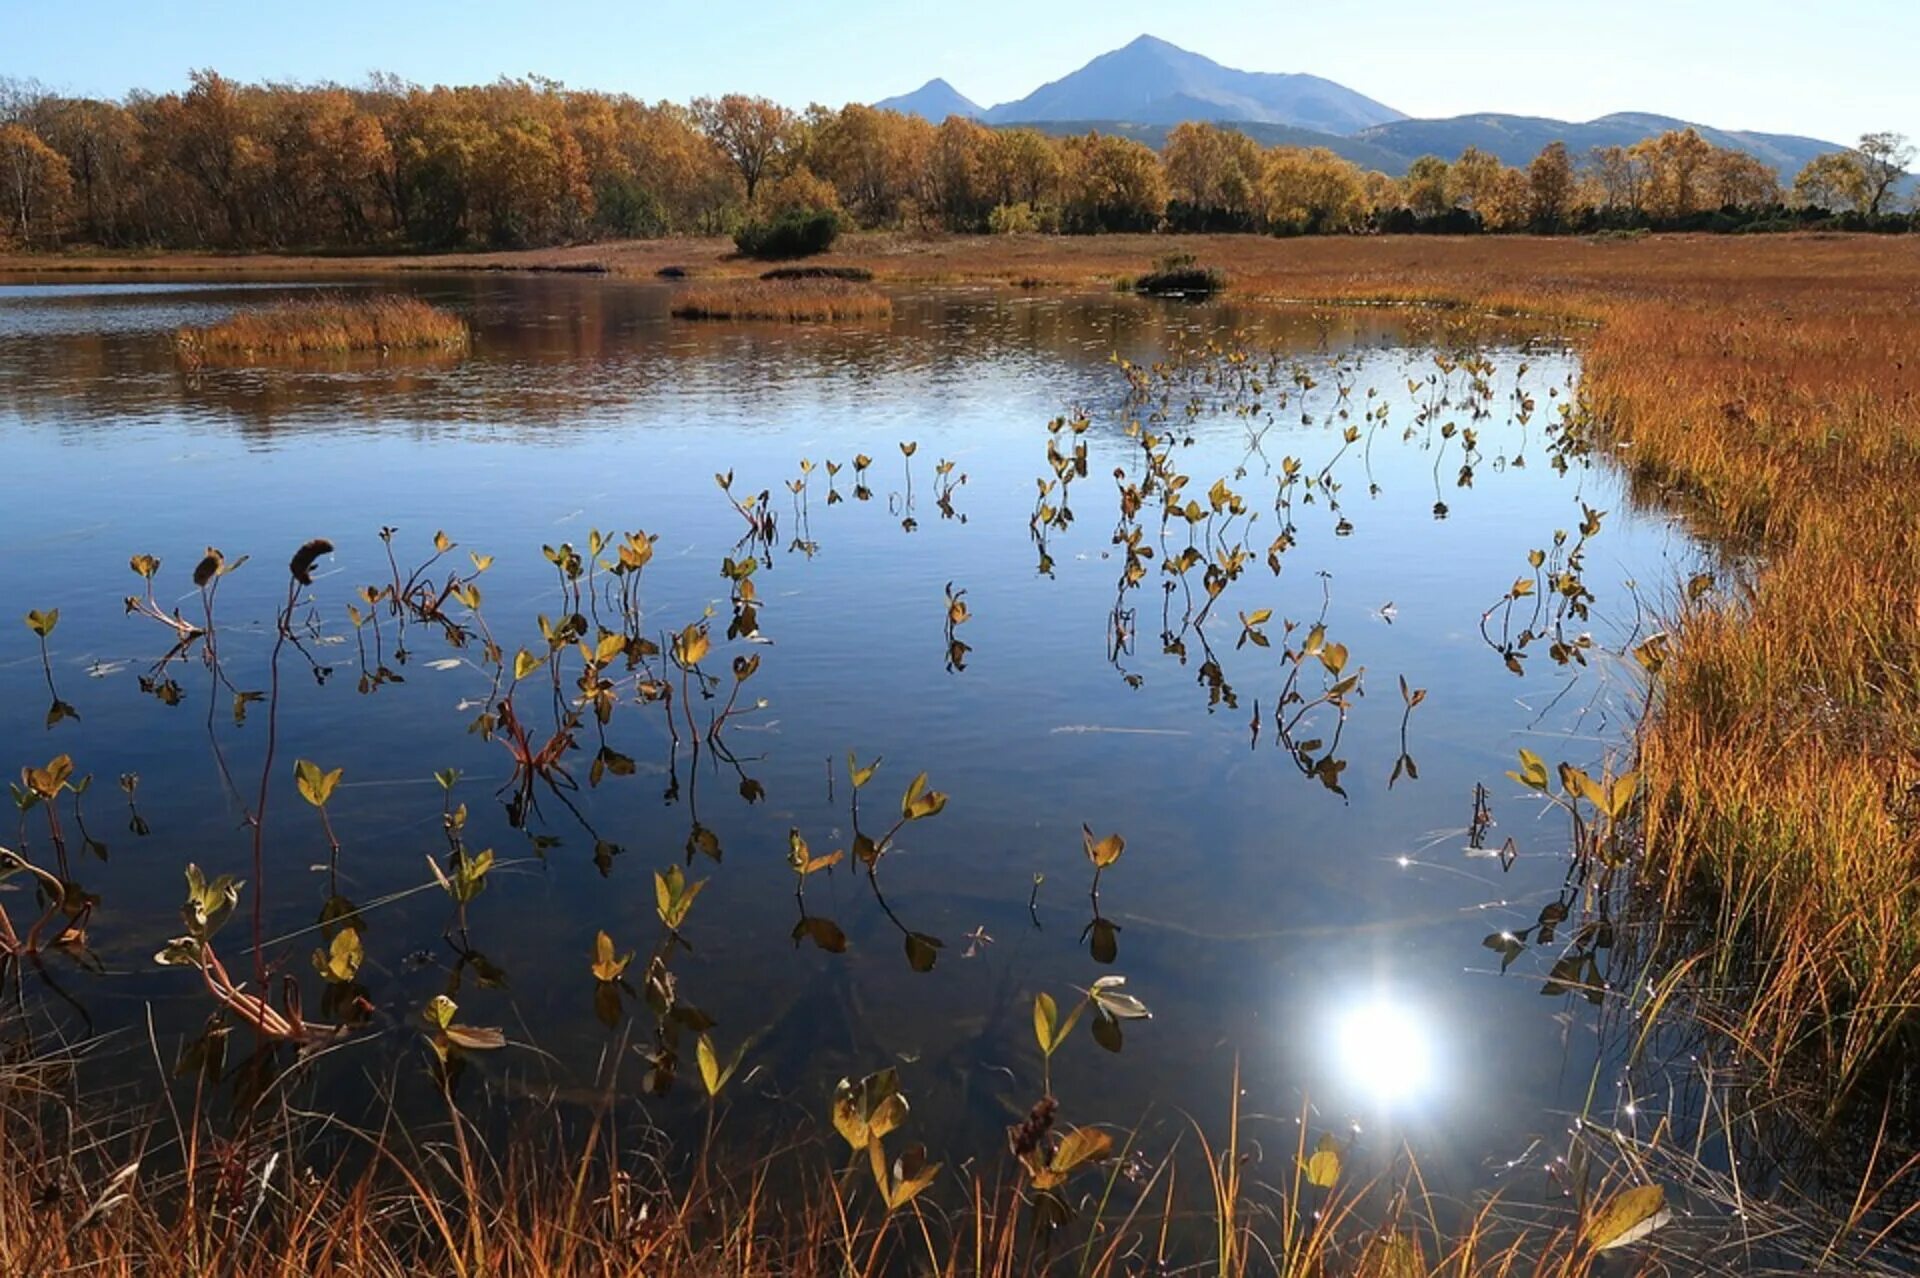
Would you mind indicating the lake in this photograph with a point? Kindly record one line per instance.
(1311, 893)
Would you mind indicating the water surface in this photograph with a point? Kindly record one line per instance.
(1327, 944)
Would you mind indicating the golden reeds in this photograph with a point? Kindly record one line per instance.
(791, 301)
(328, 325)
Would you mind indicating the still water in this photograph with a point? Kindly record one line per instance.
(1323, 933)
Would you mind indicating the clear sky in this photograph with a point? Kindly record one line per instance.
(1831, 69)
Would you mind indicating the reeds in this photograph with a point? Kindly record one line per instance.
(788, 301)
(327, 325)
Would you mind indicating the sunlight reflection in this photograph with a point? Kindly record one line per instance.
(1383, 1048)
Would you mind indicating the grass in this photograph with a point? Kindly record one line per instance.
(271, 1191)
(791, 301)
(326, 326)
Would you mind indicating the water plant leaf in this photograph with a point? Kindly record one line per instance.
(315, 786)
(440, 1011)
(42, 623)
(1109, 996)
(823, 932)
(691, 645)
(1323, 1165)
(525, 663)
(1081, 1145)
(1102, 852)
(1533, 771)
(673, 895)
(923, 951)
(712, 1073)
(340, 962)
(606, 967)
(921, 802)
(1628, 1217)
(1104, 940)
(868, 1110)
(475, 1038)
(859, 775)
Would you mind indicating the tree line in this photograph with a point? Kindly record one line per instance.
(529, 162)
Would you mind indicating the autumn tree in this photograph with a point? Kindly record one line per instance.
(1735, 179)
(1427, 188)
(957, 187)
(753, 133)
(1883, 159)
(1111, 184)
(1621, 177)
(1674, 161)
(1311, 190)
(1213, 174)
(1472, 179)
(1550, 185)
(1835, 181)
(1022, 166)
(38, 186)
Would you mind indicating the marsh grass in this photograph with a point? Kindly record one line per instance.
(790, 301)
(327, 325)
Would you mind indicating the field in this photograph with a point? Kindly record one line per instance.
(1768, 387)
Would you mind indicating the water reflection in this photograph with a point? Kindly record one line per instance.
(1014, 609)
(1384, 1050)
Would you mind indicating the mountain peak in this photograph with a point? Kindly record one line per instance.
(1152, 81)
(935, 100)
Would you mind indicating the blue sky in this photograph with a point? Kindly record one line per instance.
(1832, 69)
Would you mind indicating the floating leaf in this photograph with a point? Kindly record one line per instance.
(1628, 1217)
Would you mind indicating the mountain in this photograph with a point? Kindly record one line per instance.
(1516, 139)
(1142, 90)
(935, 100)
(1153, 82)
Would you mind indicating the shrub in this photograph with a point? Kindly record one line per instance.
(797, 233)
(1180, 275)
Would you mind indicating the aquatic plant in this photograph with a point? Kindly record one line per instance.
(328, 325)
(789, 301)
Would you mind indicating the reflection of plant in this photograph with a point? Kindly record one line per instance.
(917, 804)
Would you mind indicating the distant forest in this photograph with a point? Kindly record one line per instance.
(528, 163)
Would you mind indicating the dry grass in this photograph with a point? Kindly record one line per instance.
(272, 1193)
(326, 326)
(785, 300)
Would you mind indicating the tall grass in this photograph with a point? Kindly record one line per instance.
(786, 300)
(327, 325)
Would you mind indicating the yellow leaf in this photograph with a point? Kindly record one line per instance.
(1323, 1166)
(1628, 1217)
(1081, 1145)
(525, 663)
(691, 644)
(1102, 852)
(1046, 1016)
